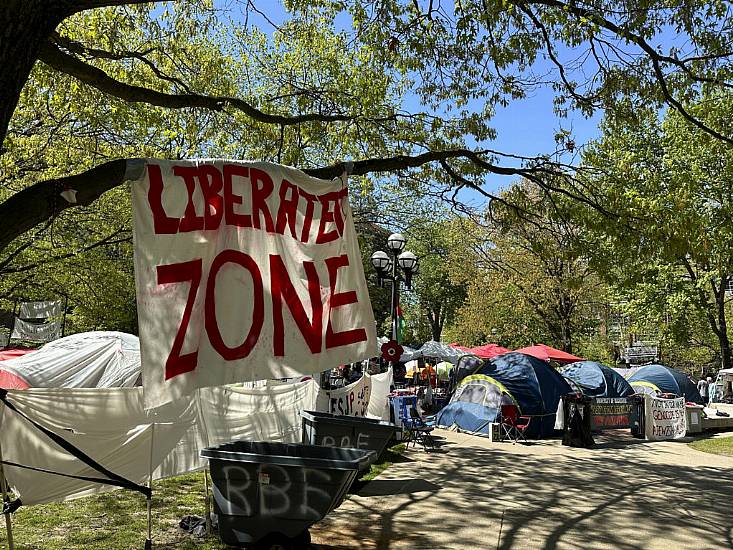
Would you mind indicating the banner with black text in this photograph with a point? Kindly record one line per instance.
(244, 271)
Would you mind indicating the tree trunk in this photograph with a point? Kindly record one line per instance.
(24, 27)
(567, 336)
(725, 351)
(436, 322)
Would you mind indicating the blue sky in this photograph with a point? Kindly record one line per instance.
(525, 127)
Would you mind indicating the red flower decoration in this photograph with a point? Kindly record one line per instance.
(392, 351)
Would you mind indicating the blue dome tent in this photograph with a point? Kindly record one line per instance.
(663, 379)
(597, 380)
(532, 384)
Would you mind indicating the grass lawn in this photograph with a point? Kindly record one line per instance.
(717, 445)
(118, 520)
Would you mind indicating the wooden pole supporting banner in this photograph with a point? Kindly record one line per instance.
(4, 487)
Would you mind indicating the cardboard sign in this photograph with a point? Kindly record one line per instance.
(665, 418)
(610, 413)
(244, 271)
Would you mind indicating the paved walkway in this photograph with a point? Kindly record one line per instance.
(623, 494)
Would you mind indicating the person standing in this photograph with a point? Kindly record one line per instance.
(702, 388)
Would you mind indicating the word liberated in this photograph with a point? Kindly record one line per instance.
(245, 271)
(238, 196)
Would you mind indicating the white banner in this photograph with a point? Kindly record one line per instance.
(244, 271)
(40, 310)
(351, 400)
(36, 332)
(665, 418)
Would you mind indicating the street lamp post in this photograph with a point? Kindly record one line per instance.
(386, 265)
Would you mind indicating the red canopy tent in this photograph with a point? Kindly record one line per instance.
(10, 381)
(6, 354)
(487, 351)
(547, 353)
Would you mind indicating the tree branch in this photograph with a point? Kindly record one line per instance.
(55, 58)
(655, 58)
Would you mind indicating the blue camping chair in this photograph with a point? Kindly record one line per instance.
(420, 430)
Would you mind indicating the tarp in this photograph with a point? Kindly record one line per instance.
(533, 384)
(441, 351)
(113, 427)
(487, 351)
(86, 360)
(244, 271)
(547, 353)
(597, 380)
(666, 380)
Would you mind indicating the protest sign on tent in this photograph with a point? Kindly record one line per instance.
(244, 271)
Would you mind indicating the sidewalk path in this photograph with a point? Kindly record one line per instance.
(623, 494)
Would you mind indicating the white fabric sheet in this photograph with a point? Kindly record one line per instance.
(379, 398)
(113, 427)
(36, 332)
(40, 310)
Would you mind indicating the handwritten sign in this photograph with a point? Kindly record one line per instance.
(665, 418)
(610, 413)
(244, 271)
(352, 400)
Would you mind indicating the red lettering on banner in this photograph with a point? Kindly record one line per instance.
(328, 215)
(178, 273)
(258, 313)
(346, 337)
(211, 186)
(288, 211)
(162, 223)
(308, 218)
(230, 199)
(282, 288)
(259, 196)
(190, 221)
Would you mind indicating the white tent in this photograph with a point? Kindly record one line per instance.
(86, 360)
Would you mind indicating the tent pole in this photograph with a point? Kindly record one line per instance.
(208, 502)
(4, 487)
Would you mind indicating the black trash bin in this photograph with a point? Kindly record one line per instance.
(577, 412)
(331, 430)
(636, 418)
(268, 494)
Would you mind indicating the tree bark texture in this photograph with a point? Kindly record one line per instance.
(25, 26)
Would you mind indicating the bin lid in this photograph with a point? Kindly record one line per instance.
(289, 454)
(329, 418)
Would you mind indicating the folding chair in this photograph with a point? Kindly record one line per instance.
(513, 426)
(419, 431)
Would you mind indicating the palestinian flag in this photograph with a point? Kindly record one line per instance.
(400, 324)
